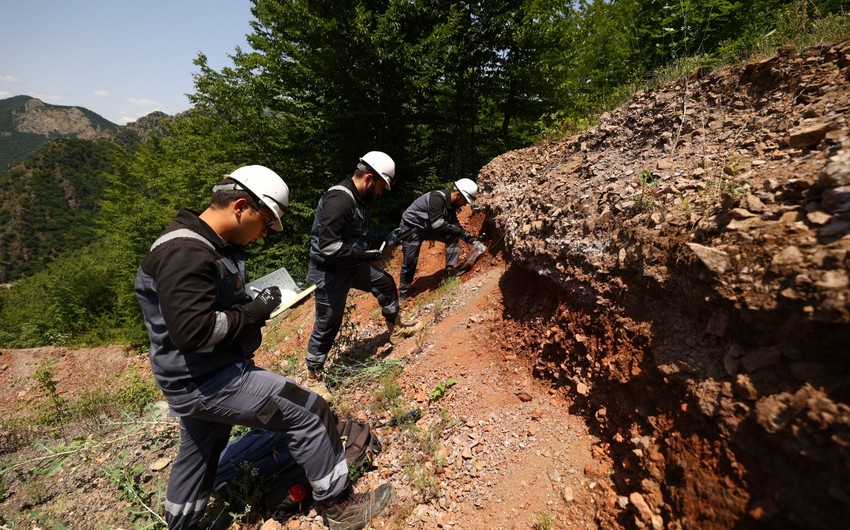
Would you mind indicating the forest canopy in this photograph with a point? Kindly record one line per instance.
(443, 87)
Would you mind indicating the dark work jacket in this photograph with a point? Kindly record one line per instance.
(340, 233)
(433, 212)
(191, 287)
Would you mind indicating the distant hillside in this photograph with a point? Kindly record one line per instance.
(27, 123)
(49, 203)
(53, 166)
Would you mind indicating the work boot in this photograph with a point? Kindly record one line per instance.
(316, 384)
(401, 330)
(355, 510)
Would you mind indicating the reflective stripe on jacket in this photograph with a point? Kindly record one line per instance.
(433, 211)
(340, 227)
(191, 288)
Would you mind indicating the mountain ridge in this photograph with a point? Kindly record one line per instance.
(53, 166)
(28, 123)
(28, 114)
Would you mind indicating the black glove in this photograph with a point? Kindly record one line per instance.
(397, 236)
(266, 301)
(390, 240)
(467, 237)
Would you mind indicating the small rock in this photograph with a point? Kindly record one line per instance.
(818, 217)
(717, 261)
(160, 464)
(788, 257)
(834, 279)
(753, 204)
(837, 172)
(810, 136)
(271, 524)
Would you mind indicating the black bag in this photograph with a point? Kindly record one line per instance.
(267, 451)
(360, 442)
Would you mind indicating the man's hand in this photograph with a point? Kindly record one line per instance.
(361, 255)
(373, 255)
(397, 236)
(270, 298)
(266, 301)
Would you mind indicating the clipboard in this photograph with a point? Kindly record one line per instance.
(291, 294)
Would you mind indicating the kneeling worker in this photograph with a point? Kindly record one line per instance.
(204, 329)
(434, 218)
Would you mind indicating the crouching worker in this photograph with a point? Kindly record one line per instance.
(434, 218)
(204, 328)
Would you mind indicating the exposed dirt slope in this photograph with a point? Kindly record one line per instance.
(688, 260)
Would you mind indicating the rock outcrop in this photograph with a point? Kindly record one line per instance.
(699, 239)
(37, 117)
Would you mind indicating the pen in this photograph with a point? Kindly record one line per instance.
(255, 289)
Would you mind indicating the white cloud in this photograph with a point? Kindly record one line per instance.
(9, 79)
(141, 102)
(4, 94)
(101, 92)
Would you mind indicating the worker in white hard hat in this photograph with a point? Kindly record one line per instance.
(433, 217)
(340, 258)
(204, 328)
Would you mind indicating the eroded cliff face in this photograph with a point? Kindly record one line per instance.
(681, 272)
(50, 120)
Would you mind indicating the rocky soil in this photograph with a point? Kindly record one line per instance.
(689, 261)
(658, 338)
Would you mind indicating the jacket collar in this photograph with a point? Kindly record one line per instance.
(191, 219)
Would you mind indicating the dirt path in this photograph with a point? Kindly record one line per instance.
(515, 457)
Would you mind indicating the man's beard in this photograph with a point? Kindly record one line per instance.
(370, 193)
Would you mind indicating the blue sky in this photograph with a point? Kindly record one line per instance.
(122, 59)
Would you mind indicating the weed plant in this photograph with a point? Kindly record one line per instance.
(543, 521)
(441, 298)
(142, 508)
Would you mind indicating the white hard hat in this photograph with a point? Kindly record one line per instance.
(382, 164)
(266, 186)
(468, 189)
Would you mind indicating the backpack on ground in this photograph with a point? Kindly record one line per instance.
(267, 454)
(361, 444)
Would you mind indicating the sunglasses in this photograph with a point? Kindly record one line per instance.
(267, 218)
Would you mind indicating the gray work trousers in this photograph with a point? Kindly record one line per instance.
(243, 394)
(332, 286)
(410, 261)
